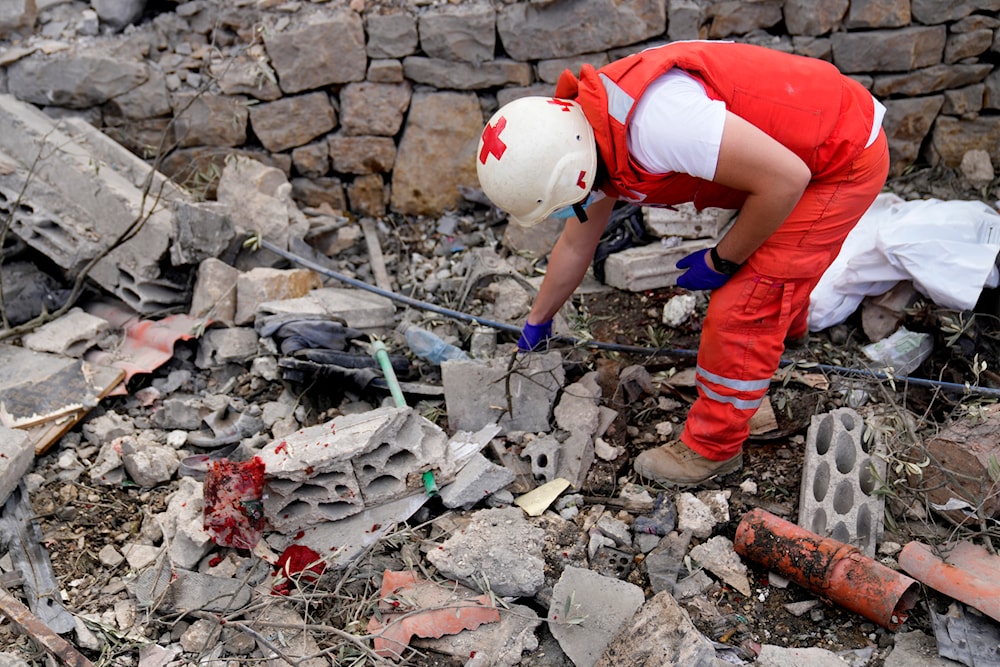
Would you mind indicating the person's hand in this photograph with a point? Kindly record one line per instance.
(534, 336)
(699, 276)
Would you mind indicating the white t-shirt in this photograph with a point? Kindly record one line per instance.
(676, 126)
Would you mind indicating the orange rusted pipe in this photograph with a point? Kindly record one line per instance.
(832, 569)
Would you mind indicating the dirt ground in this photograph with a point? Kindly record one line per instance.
(77, 517)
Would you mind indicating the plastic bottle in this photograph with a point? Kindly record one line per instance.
(427, 345)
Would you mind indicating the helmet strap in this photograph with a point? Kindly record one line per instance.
(580, 212)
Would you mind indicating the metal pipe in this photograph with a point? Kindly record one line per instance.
(861, 373)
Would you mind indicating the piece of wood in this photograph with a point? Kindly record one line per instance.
(375, 257)
(30, 624)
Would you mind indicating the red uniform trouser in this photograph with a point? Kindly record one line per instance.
(767, 301)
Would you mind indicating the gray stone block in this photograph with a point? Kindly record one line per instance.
(687, 222)
(478, 393)
(649, 266)
(839, 479)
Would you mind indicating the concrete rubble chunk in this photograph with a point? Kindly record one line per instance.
(476, 392)
(650, 266)
(332, 470)
(718, 557)
(71, 210)
(17, 456)
(476, 481)
(498, 544)
(659, 633)
(578, 413)
(587, 612)
(358, 308)
(172, 589)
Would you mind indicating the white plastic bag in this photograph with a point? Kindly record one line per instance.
(947, 248)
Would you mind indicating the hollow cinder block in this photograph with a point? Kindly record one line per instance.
(840, 477)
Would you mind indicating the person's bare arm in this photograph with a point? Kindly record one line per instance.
(774, 177)
(569, 261)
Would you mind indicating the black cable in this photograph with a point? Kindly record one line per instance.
(861, 373)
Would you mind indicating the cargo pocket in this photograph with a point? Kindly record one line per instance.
(764, 305)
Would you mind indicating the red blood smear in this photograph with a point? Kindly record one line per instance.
(297, 562)
(234, 514)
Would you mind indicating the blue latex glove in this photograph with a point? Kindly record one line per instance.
(699, 275)
(534, 336)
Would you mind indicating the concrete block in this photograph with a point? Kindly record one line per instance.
(358, 308)
(17, 456)
(840, 473)
(71, 335)
(476, 392)
(337, 469)
(80, 204)
(650, 266)
(685, 221)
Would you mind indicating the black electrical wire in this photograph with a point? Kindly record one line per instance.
(861, 373)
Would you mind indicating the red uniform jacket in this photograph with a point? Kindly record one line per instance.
(805, 104)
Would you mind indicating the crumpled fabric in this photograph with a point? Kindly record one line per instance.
(315, 347)
(948, 249)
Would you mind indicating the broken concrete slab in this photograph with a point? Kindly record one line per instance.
(718, 557)
(578, 413)
(518, 397)
(341, 542)
(686, 221)
(359, 309)
(262, 285)
(916, 649)
(332, 470)
(659, 633)
(477, 480)
(214, 296)
(70, 335)
(499, 549)
(78, 210)
(172, 589)
(780, 656)
(650, 266)
(587, 612)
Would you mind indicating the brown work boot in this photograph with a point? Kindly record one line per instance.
(676, 463)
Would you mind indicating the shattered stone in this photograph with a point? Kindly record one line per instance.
(499, 544)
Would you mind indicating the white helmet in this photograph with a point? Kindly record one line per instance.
(536, 155)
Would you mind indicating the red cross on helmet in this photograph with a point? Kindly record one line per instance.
(536, 155)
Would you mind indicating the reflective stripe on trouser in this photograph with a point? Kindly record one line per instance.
(749, 317)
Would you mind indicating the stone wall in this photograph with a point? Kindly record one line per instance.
(372, 107)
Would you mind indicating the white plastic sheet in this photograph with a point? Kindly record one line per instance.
(947, 248)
